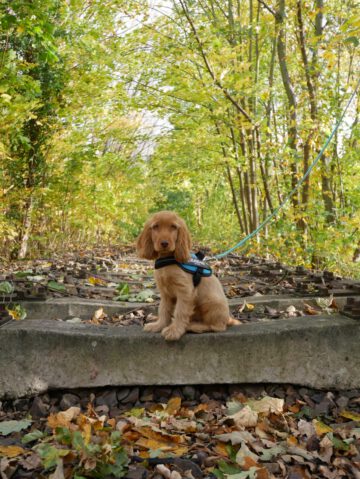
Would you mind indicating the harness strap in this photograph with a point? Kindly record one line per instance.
(196, 267)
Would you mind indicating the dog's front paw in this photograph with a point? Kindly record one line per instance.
(172, 333)
(154, 327)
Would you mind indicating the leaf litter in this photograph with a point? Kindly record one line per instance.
(251, 433)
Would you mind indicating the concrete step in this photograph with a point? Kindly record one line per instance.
(315, 351)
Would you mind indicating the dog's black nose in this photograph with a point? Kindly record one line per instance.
(164, 244)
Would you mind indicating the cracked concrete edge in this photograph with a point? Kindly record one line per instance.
(319, 352)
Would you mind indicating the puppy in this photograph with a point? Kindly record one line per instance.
(183, 307)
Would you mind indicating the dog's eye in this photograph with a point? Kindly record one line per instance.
(174, 227)
(155, 226)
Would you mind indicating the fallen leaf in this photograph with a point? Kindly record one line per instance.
(306, 428)
(173, 405)
(325, 303)
(30, 462)
(96, 281)
(268, 454)
(221, 449)
(11, 451)
(233, 407)
(354, 416)
(246, 458)
(63, 418)
(7, 427)
(311, 310)
(17, 312)
(321, 428)
(32, 436)
(291, 310)
(267, 405)
(57, 287)
(59, 471)
(236, 437)
(246, 417)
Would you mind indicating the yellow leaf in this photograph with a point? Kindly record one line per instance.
(173, 405)
(321, 428)
(354, 416)
(87, 433)
(11, 451)
(96, 281)
(249, 306)
(14, 314)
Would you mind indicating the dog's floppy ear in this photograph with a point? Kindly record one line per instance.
(183, 243)
(144, 244)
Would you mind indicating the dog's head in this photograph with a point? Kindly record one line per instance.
(164, 234)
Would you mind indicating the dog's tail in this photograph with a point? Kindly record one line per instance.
(233, 322)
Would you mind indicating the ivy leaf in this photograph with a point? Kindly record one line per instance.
(6, 287)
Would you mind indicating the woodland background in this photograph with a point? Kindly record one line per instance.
(112, 109)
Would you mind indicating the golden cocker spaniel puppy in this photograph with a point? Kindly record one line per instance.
(183, 306)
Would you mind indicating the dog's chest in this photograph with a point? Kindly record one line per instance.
(171, 280)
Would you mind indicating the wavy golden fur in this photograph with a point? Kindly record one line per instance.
(183, 307)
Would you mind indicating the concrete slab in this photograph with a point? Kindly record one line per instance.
(60, 308)
(85, 308)
(319, 351)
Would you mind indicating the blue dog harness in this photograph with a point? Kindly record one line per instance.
(195, 266)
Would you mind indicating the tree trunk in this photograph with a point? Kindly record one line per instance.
(292, 127)
(25, 233)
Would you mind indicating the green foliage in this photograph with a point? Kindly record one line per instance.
(109, 114)
(95, 460)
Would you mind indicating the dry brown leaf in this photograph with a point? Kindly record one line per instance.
(98, 316)
(164, 446)
(201, 408)
(149, 433)
(63, 418)
(221, 449)
(267, 405)
(246, 417)
(326, 449)
(306, 428)
(59, 471)
(30, 462)
(173, 405)
(245, 458)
